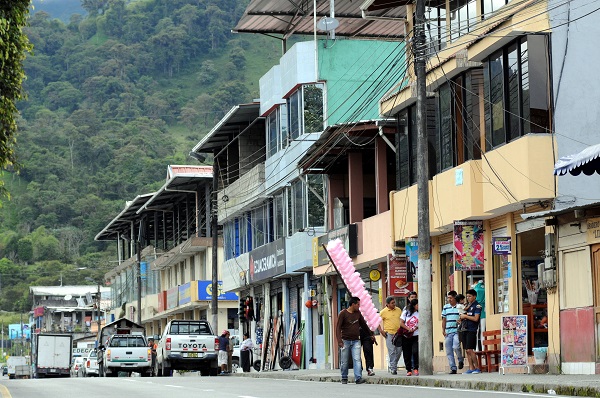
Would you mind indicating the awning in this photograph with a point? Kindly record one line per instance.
(586, 161)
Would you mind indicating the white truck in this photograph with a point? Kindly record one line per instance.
(52, 355)
(187, 345)
(127, 353)
(18, 367)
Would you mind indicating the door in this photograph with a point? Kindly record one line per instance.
(596, 292)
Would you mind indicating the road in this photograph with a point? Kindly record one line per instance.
(222, 387)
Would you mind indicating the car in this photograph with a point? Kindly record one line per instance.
(90, 365)
(77, 364)
(5, 371)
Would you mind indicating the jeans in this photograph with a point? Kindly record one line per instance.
(452, 344)
(394, 353)
(351, 346)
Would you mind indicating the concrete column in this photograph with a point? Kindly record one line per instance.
(286, 306)
(381, 185)
(355, 185)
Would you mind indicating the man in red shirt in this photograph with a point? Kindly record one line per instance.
(349, 323)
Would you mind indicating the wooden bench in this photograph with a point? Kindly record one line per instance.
(489, 357)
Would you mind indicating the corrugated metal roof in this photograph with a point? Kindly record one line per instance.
(184, 170)
(77, 290)
(124, 218)
(289, 17)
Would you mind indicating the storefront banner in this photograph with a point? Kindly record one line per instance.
(172, 297)
(205, 291)
(412, 255)
(501, 246)
(267, 261)
(185, 293)
(347, 234)
(400, 280)
(468, 245)
(513, 346)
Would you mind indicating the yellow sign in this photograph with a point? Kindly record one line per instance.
(593, 230)
(375, 275)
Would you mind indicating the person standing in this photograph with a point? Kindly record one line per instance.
(152, 345)
(410, 344)
(450, 318)
(348, 326)
(471, 319)
(245, 352)
(367, 338)
(223, 351)
(390, 316)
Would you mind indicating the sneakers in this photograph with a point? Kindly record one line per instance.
(461, 364)
(452, 372)
(409, 373)
(468, 372)
(370, 372)
(416, 372)
(394, 372)
(476, 371)
(361, 381)
(344, 381)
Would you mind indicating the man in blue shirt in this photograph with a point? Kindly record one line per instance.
(471, 317)
(223, 351)
(450, 317)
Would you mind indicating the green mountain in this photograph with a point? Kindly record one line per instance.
(113, 98)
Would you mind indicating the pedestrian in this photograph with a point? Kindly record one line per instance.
(245, 352)
(223, 351)
(152, 345)
(450, 317)
(367, 338)
(410, 343)
(390, 316)
(348, 326)
(471, 320)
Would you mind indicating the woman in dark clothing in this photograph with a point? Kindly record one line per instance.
(409, 320)
(366, 340)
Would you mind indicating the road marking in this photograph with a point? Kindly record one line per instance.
(171, 385)
(4, 391)
(473, 391)
(246, 396)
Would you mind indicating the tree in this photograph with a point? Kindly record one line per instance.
(25, 250)
(14, 45)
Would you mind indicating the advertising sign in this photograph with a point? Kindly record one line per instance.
(468, 245)
(501, 246)
(412, 256)
(513, 346)
(172, 297)
(205, 291)
(400, 278)
(267, 261)
(185, 293)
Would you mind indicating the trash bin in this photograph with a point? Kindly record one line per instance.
(539, 355)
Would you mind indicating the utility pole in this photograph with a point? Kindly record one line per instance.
(138, 260)
(215, 246)
(98, 311)
(425, 313)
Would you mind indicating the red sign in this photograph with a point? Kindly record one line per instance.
(400, 282)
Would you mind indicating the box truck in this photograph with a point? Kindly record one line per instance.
(52, 355)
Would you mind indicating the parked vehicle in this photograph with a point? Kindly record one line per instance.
(121, 326)
(52, 355)
(236, 341)
(76, 366)
(127, 353)
(187, 345)
(90, 364)
(4, 371)
(18, 367)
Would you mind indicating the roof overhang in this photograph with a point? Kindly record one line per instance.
(285, 18)
(124, 219)
(586, 162)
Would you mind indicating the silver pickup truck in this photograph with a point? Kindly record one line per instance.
(187, 345)
(127, 353)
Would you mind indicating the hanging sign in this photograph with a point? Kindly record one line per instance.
(400, 280)
(468, 245)
(501, 246)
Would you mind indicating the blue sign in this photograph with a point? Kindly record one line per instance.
(17, 331)
(205, 292)
(143, 269)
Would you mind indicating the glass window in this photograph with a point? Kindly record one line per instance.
(316, 209)
(259, 227)
(462, 18)
(279, 214)
(436, 29)
(298, 206)
(313, 108)
(473, 88)
(494, 83)
(514, 125)
(403, 150)
(501, 279)
(445, 142)
(534, 50)
(272, 134)
(283, 126)
(490, 6)
(294, 116)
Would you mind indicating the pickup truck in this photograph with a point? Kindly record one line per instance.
(127, 353)
(187, 345)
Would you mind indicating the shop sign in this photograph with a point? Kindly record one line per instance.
(501, 246)
(205, 291)
(593, 230)
(267, 261)
(400, 277)
(347, 234)
(412, 256)
(468, 245)
(172, 297)
(185, 293)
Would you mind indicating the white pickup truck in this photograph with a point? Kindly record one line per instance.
(187, 345)
(127, 353)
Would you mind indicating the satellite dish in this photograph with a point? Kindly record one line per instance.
(68, 297)
(328, 24)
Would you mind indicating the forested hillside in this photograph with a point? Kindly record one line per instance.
(113, 98)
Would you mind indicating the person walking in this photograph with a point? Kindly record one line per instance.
(367, 338)
(390, 316)
(471, 319)
(348, 326)
(245, 352)
(409, 320)
(450, 317)
(223, 351)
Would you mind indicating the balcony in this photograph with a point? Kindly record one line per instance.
(241, 194)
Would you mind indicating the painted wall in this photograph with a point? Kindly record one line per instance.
(376, 235)
(297, 66)
(270, 90)
(358, 72)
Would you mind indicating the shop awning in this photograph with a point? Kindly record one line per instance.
(586, 161)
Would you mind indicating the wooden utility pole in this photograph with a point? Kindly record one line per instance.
(424, 263)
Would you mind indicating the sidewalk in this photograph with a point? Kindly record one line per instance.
(571, 385)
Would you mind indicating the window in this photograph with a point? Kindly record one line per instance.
(277, 130)
(501, 279)
(229, 240)
(316, 209)
(305, 110)
(259, 226)
(517, 101)
(279, 215)
(298, 206)
(446, 144)
(462, 18)
(294, 116)
(272, 134)
(447, 264)
(436, 29)
(490, 6)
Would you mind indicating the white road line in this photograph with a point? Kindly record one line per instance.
(246, 396)
(171, 385)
